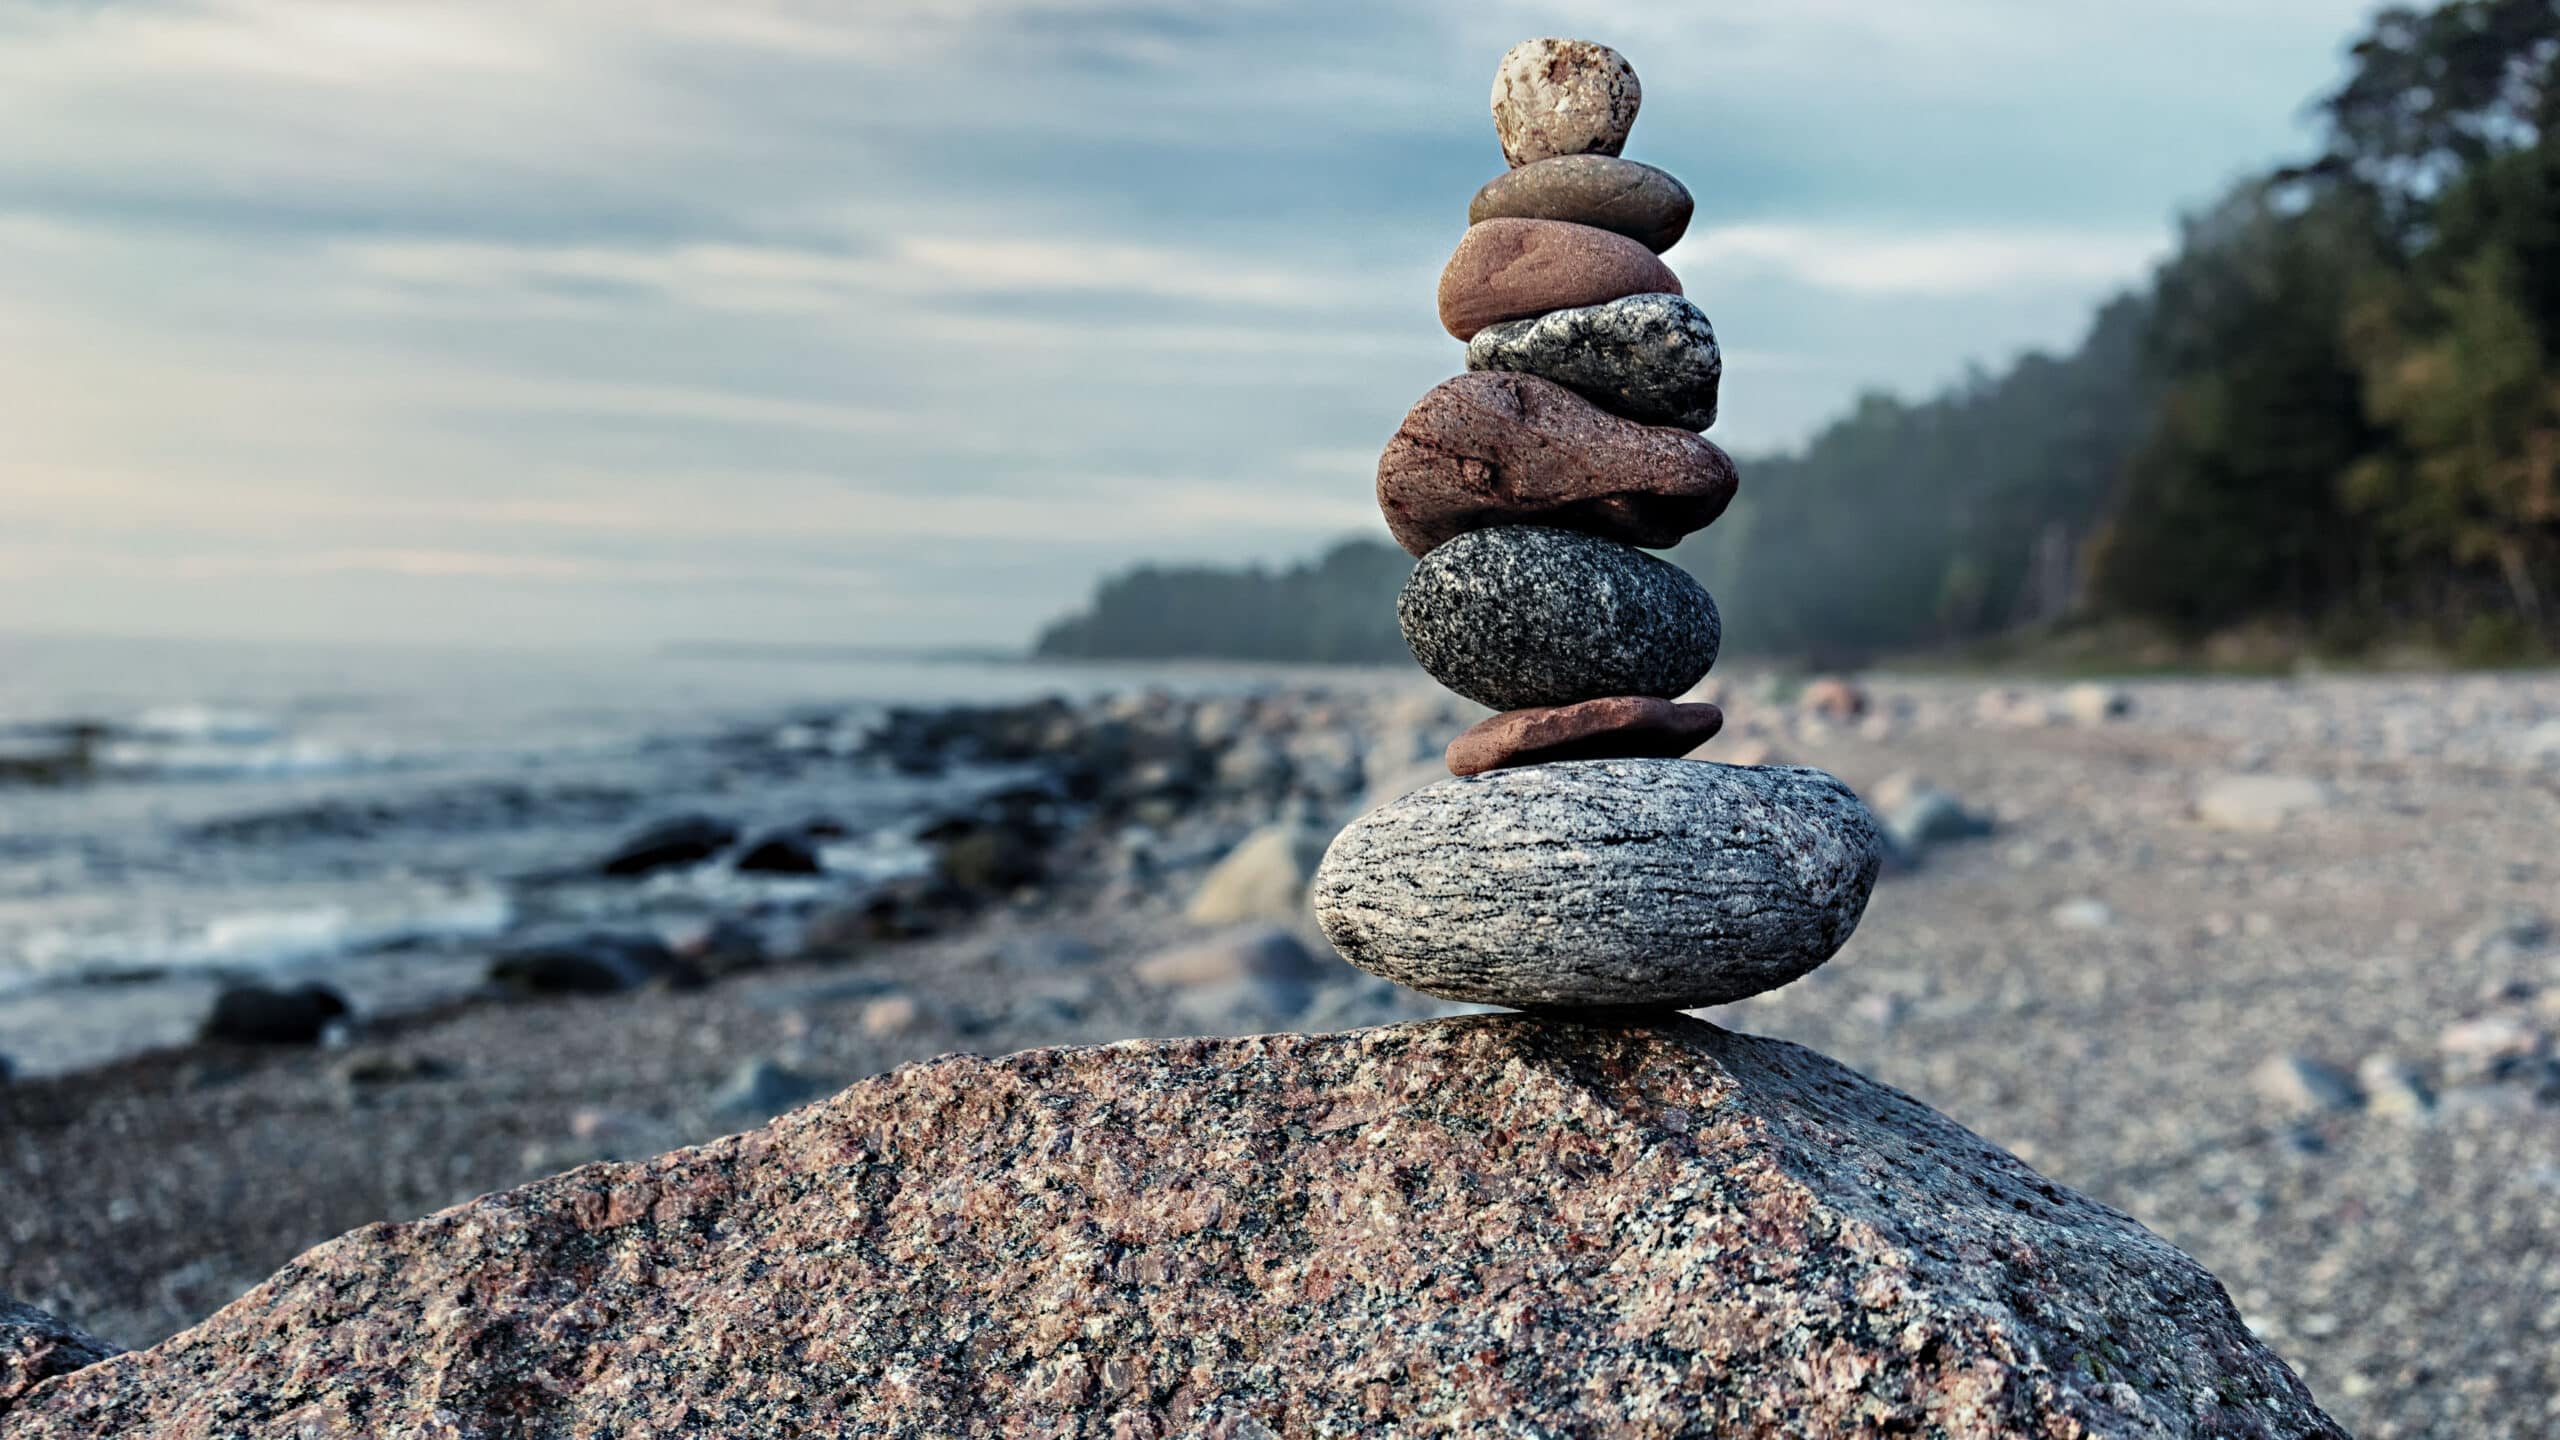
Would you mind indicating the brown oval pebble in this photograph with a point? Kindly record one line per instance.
(1492, 447)
(1621, 727)
(1563, 97)
(1511, 269)
(1604, 192)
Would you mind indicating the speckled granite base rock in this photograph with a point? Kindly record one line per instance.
(1493, 448)
(1489, 1227)
(1603, 882)
(35, 1347)
(1646, 205)
(1525, 616)
(1650, 358)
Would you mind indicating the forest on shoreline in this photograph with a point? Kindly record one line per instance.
(2331, 417)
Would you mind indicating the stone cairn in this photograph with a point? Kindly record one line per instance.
(1578, 860)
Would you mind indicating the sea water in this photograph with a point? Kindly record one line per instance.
(381, 816)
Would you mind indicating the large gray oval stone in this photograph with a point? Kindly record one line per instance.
(1674, 883)
(1650, 358)
(1522, 616)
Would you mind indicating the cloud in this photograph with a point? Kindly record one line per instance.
(576, 321)
(1876, 262)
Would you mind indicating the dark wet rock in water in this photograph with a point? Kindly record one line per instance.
(1650, 358)
(984, 860)
(1498, 1225)
(1525, 616)
(1605, 192)
(729, 945)
(669, 844)
(598, 962)
(1603, 883)
(782, 853)
(35, 1347)
(259, 1015)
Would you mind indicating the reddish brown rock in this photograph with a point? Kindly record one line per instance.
(1491, 1226)
(1622, 727)
(1834, 698)
(35, 1347)
(1507, 269)
(1496, 448)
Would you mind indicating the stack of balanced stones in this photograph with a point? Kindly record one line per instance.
(1579, 859)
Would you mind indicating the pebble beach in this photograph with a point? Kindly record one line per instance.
(2269, 965)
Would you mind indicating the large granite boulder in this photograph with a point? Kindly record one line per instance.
(36, 1347)
(1497, 1225)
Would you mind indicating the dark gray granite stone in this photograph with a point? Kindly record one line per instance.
(1674, 883)
(1651, 358)
(1522, 616)
(1644, 204)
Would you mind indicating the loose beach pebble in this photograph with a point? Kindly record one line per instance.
(1603, 882)
(1636, 200)
(1650, 358)
(1512, 269)
(1492, 448)
(1525, 616)
(1563, 97)
(1620, 727)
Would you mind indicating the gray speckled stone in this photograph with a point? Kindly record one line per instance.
(1651, 358)
(1603, 882)
(1522, 616)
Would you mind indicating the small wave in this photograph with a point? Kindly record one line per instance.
(204, 725)
(265, 937)
(143, 759)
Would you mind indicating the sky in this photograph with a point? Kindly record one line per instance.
(898, 322)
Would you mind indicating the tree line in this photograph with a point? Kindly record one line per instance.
(2333, 413)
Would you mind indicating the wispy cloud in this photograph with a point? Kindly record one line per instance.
(1877, 262)
(433, 317)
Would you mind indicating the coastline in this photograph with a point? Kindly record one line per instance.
(2105, 985)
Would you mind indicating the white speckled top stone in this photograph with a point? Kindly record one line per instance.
(1594, 883)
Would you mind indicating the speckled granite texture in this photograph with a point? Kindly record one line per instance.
(1603, 882)
(1650, 358)
(1494, 448)
(1492, 1226)
(1525, 616)
(35, 1346)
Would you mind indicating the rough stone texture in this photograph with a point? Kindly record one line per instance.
(1563, 97)
(1494, 448)
(1526, 616)
(1603, 882)
(1648, 206)
(1616, 728)
(1512, 269)
(1651, 358)
(1489, 1226)
(34, 1347)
